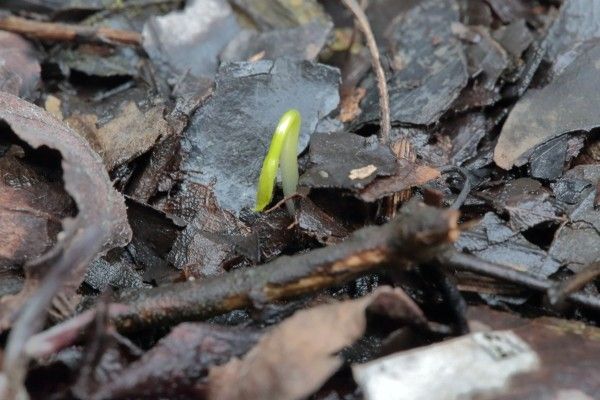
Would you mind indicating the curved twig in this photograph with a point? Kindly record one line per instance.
(384, 99)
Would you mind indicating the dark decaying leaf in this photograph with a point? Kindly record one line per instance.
(576, 243)
(116, 271)
(300, 43)
(154, 233)
(209, 243)
(493, 240)
(100, 224)
(228, 137)
(157, 176)
(509, 10)
(179, 362)
(527, 204)
(189, 41)
(467, 131)
(577, 22)
(19, 66)
(565, 105)
(520, 81)
(429, 65)
(344, 160)
(33, 203)
(320, 225)
(515, 38)
(297, 356)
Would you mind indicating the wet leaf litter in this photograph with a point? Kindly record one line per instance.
(463, 232)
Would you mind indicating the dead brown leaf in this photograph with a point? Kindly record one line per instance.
(19, 67)
(32, 205)
(409, 174)
(350, 104)
(127, 136)
(299, 355)
(179, 362)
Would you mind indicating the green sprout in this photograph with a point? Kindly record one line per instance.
(283, 153)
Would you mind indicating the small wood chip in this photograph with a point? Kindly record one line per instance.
(362, 173)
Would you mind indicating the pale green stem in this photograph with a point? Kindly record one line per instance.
(282, 153)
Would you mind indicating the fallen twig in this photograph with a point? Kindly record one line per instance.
(54, 31)
(558, 293)
(384, 99)
(466, 262)
(414, 237)
(419, 234)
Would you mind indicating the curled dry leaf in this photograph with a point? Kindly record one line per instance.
(100, 224)
(299, 355)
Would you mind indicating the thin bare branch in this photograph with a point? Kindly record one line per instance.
(384, 99)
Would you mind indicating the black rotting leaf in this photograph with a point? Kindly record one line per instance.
(106, 61)
(429, 65)
(475, 12)
(486, 58)
(527, 204)
(154, 233)
(299, 43)
(575, 184)
(271, 235)
(189, 41)
(160, 171)
(565, 105)
(346, 161)
(229, 136)
(466, 132)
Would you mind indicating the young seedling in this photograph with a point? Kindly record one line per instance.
(283, 153)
